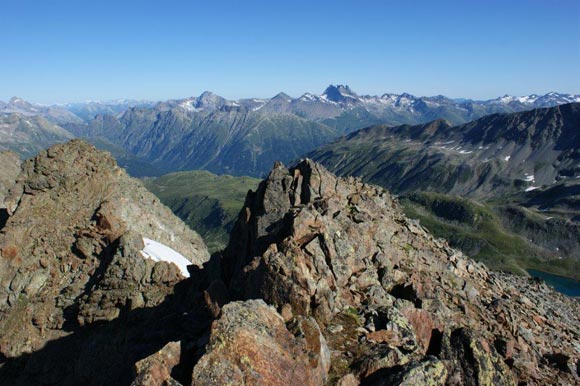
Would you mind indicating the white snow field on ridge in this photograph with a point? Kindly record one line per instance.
(156, 251)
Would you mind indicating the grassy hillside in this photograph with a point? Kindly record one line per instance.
(486, 233)
(208, 203)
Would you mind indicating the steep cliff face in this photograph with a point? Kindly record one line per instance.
(73, 259)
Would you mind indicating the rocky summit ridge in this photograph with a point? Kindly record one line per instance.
(70, 259)
(324, 282)
(394, 304)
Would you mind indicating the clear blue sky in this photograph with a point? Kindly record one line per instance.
(74, 50)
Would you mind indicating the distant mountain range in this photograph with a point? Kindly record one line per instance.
(69, 112)
(54, 114)
(338, 104)
(246, 136)
(29, 134)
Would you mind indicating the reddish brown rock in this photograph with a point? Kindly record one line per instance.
(156, 369)
(251, 345)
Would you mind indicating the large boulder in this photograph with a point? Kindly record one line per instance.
(251, 345)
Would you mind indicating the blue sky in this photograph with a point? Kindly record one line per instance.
(59, 51)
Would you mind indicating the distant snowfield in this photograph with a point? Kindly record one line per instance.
(156, 251)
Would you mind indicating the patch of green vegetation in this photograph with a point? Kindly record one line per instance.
(353, 314)
(477, 230)
(208, 203)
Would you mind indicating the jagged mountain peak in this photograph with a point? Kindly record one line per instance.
(16, 99)
(332, 249)
(210, 100)
(19, 103)
(282, 96)
(340, 93)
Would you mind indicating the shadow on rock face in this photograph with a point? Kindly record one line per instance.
(3, 217)
(106, 352)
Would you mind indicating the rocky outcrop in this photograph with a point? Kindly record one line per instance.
(391, 300)
(10, 168)
(71, 265)
(156, 368)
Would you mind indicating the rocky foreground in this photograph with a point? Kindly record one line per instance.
(324, 282)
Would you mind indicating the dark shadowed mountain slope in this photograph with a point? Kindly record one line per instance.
(523, 167)
(492, 156)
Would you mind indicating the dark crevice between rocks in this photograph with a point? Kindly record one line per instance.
(459, 341)
(3, 217)
(383, 376)
(559, 361)
(327, 255)
(435, 344)
(305, 189)
(183, 372)
(406, 292)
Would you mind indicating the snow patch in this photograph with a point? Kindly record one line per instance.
(156, 251)
(507, 158)
(532, 188)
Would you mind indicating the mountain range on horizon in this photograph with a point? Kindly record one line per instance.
(338, 95)
(246, 136)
